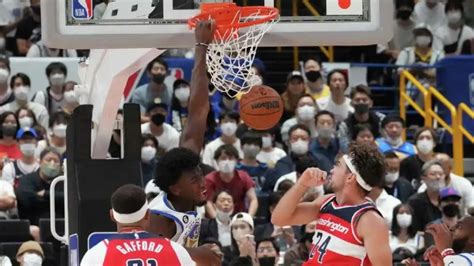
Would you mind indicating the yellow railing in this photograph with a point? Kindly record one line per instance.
(463, 108)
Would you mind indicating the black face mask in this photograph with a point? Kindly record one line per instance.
(267, 261)
(404, 14)
(159, 79)
(361, 108)
(158, 119)
(313, 76)
(459, 245)
(8, 131)
(451, 210)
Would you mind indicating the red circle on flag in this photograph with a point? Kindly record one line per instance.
(344, 4)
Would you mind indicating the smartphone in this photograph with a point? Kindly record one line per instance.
(250, 237)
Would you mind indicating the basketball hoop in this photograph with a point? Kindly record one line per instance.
(239, 31)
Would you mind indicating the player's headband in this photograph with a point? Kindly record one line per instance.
(348, 160)
(130, 218)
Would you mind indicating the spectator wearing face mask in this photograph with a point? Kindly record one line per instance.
(71, 99)
(405, 241)
(431, 13)
(295, 88)
(450, 206)
(361, 100)
(268, 252)
(393, 127)
(26, 118)
(251, 147)
(410, 167)
(314, 79)
(165, 134)
(20, 83)
(337, 103)
(6, 94)
(326, 144)
(364, 133)
(243, 248)
(219, 227)
(240, 185)
(27, 140)
(425, 204)
(455, 32)
(149, 159)
(228, 127)
(30, 253)
(269, 154)
(179, 104)
(56, 137)
(305, 112)
(299, 253)
(33, 189)
(53, 97)
(8, 143)
(395, 183)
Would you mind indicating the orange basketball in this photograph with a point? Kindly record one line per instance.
(261, 108)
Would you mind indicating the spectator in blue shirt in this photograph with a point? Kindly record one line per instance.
(251, 146)
(393, 127)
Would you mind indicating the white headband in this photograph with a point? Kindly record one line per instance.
(130, 218)
(348, 160)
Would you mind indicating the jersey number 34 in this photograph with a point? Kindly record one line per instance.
(320, 246)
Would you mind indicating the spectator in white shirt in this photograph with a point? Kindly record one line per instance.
(167, 136)
(403, 29)
(304, 115)
(403, 235)
(430, 12)
(385, 203)
(56, 138)
(337, 103)
(269, 153)
(7, 199)
(53, 97)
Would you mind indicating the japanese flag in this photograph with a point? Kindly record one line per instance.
(344, 7)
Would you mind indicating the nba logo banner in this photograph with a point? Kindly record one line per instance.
(82, 9)
(344, 7)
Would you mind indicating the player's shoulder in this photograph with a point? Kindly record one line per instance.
(96, 255)
(323, 200)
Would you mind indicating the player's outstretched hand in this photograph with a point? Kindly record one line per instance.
(205, 31)
(312, 177)
(441, 235)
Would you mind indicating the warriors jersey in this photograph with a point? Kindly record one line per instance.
(335, 240)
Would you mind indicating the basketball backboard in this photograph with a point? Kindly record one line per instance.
(163, 23)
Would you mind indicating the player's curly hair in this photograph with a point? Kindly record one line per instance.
(171, 166)
(369, 162)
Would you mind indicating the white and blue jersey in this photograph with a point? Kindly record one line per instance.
(461, 259)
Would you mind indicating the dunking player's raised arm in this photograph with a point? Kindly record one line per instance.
(198, 105)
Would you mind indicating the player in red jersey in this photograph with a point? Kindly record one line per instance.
(132, 246)
(349, 230)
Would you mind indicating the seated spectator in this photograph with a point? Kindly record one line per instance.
(269, 153)
(251, 146)
(27, 140)
(71, 99)
(242, 251)
(337, 103)
(314, 79)
(294, 90)
(20, 83)
(7, 200)
(53, 97)
(39, 49)
(165, 134)
(29, 28)
(299, 253)
(228, 125)
(392, 140)
(149, 159)
(26, 118)
(326, 144)
(56, 138)
(8, 143)
(363, 133)
(238, 183)
(396, 184)
(179, 104)
(33, 189)
(30, 253)
(404, 239)
(305, 112)
(425, 204)
(268, 253)
(219, 227)
(361, 100)
(410, 167)
(6, 94)
(430, 12)
(222, 103)
(450, 207)
(384, 202)
(299, 147)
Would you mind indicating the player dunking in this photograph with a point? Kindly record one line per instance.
(178, 175)
(350, 230)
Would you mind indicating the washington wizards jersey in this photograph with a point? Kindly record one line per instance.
(335, 240)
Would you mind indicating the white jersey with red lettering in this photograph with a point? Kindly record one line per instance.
(335, 240)
(137, 249)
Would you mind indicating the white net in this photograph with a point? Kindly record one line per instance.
(230, 56)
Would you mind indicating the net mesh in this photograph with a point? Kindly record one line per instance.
(230, 56)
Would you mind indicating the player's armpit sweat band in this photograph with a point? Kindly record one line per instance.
(130, 218)
(348, 160)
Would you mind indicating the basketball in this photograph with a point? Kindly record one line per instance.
(261, 108)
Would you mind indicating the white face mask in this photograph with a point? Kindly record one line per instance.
(21, 93)
(425, 146)
(70, 97)
(306, 112)
(454, 17)
(229, 128)
(182, 94)
(57, 79)
(404, 220)
(300, 147)
(423, 41)
(28, 149)
(391, 177)
(4, 74)
(26, 121)
(395, 142)
(226, 166)
(60, 130)
(435, 185)
(267, 142)
(148, 153)
(240, 233)
(223, 216)
(32, 259)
